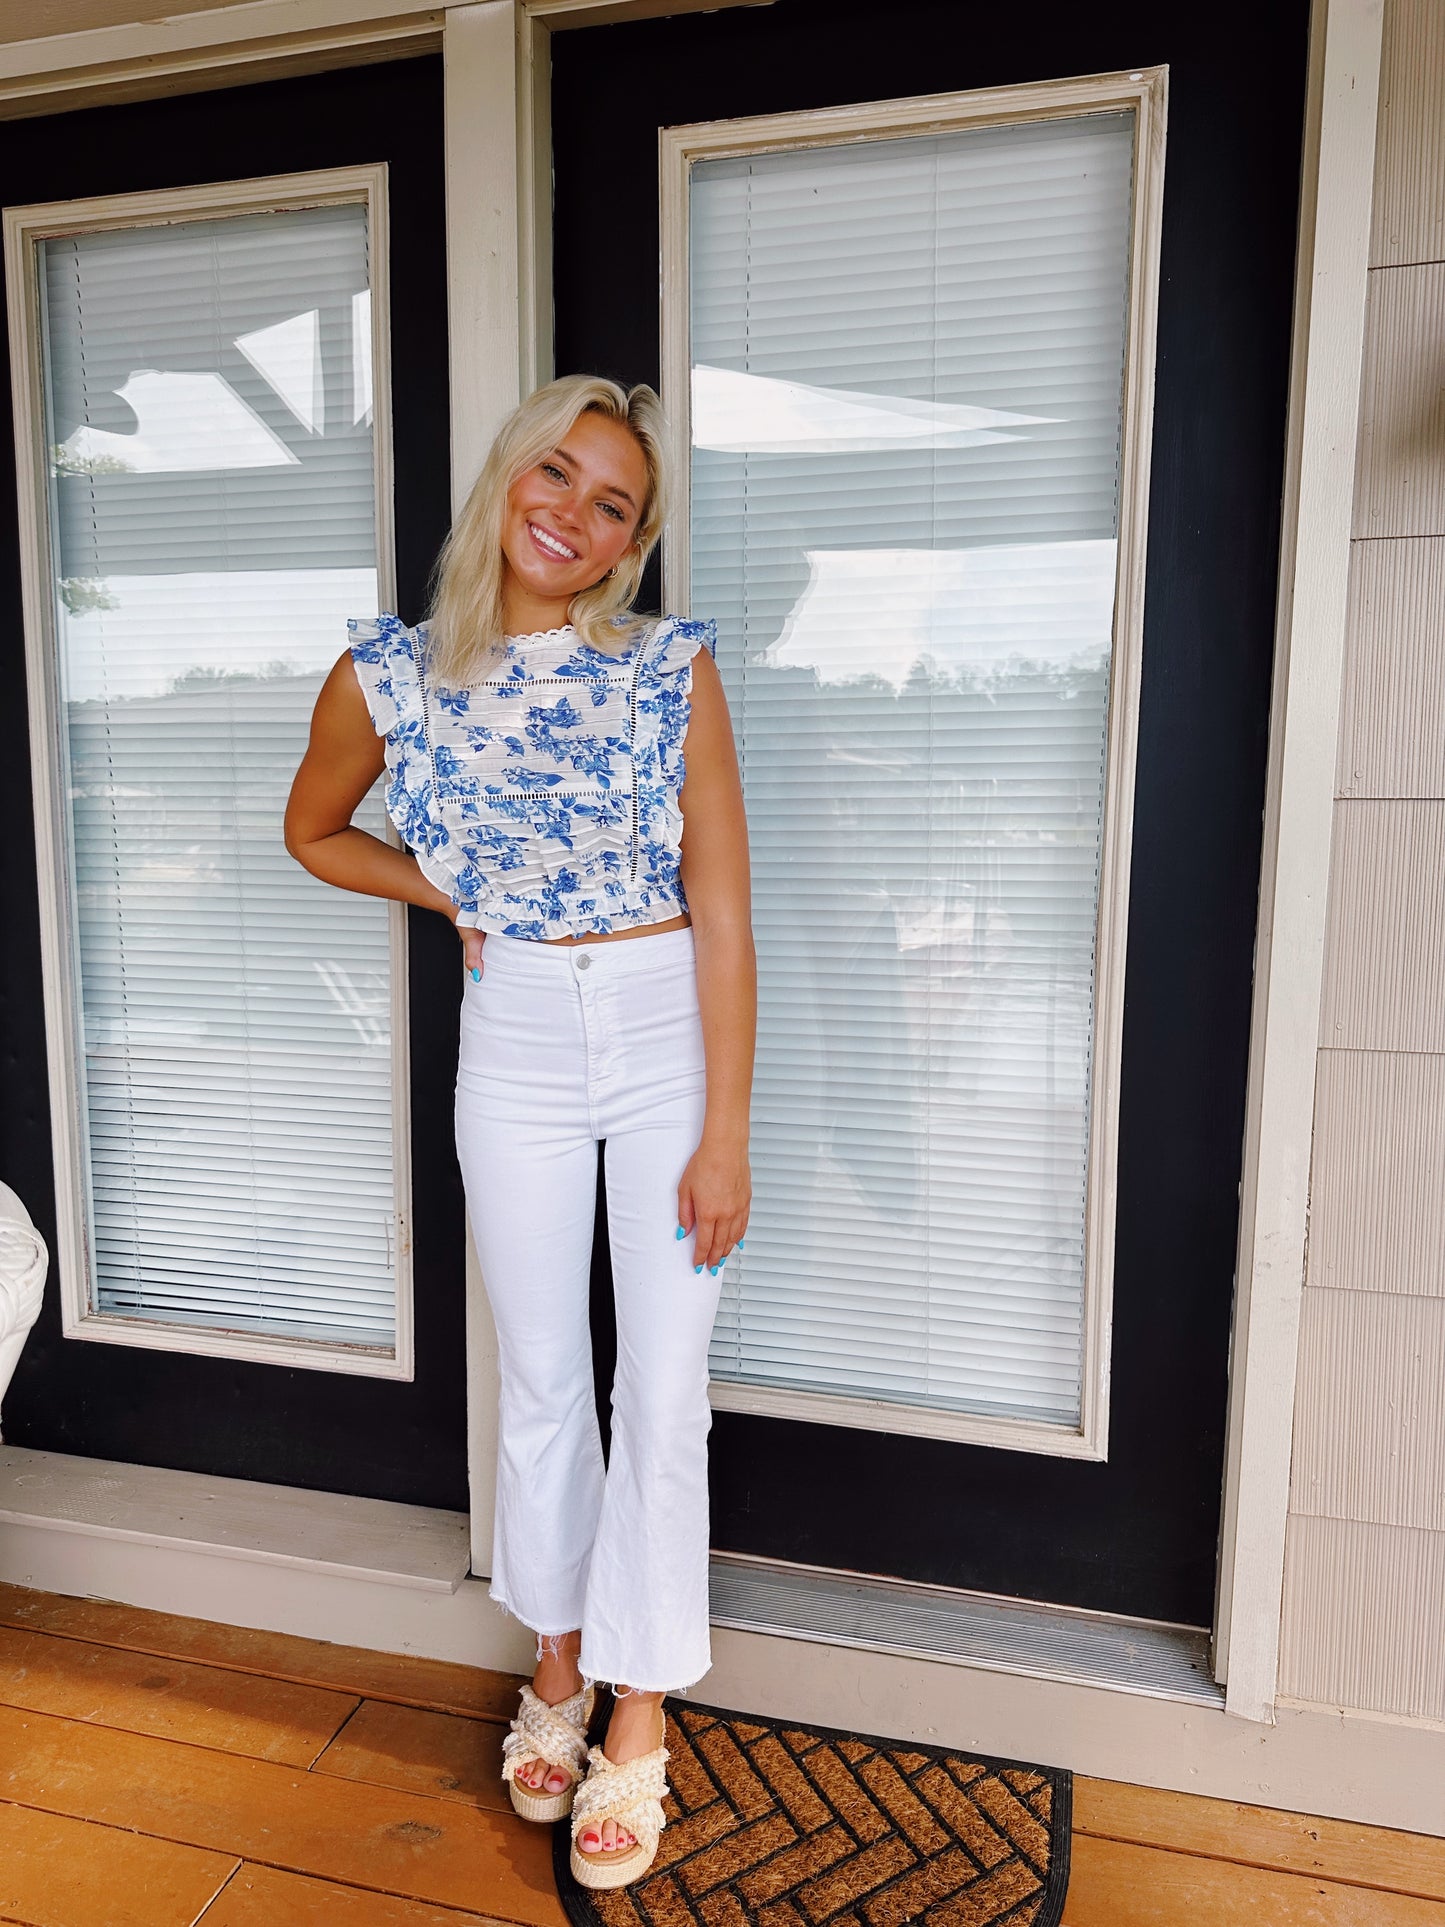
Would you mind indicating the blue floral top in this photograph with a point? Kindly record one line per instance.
(543, 800)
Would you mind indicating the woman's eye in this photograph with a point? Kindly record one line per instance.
(551, 468)
(612, 509)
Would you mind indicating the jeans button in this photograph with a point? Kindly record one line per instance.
(583, 961)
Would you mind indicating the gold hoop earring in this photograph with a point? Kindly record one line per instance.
(610, 573)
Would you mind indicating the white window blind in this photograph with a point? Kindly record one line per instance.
(208, 386)
(906, 402)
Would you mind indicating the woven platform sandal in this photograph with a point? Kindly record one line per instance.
(556, 1734)
(630, 1793)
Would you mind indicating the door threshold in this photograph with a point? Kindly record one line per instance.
(1002, 1635)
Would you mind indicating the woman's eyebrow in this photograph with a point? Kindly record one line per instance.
(608, 488)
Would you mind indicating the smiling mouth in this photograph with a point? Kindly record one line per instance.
(550, 544)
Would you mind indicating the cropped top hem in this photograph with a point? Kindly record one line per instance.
(543, 930)
(545, 798)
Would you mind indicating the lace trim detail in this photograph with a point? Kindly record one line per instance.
(542, 635)
(630, 1793)
(555, 1734)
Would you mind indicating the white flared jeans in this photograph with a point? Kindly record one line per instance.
(564, 1045)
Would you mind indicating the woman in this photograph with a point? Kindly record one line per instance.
(533, 733)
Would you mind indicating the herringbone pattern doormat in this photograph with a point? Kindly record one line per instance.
(812, 1827)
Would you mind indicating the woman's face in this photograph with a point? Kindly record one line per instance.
(575, 514)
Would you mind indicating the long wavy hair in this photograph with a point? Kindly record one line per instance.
(465, 635)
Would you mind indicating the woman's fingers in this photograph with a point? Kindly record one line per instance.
(718, 1237)
(714, 1208)
(472, 942)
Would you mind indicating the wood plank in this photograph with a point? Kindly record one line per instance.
(1400, 465)
(1407, 1863)
(441, 1851)
(1409, 220)
(1384, 979)
(265, 1897)
(207, 1705)
(55, 1872)
(419, 1751)
(444, 1684)
(1116, 1884)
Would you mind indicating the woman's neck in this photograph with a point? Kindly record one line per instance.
(525, 614)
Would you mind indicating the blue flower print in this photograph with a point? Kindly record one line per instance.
(560, 716)
(535, 824)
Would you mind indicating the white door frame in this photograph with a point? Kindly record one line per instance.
(1331, 278)
(498, 211)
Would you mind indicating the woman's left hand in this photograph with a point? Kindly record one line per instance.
(714, 1196)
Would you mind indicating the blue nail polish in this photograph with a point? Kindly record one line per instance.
(680, 1232)
(476, 975)
(741, 1243)
(697, 1268)
(713, 1270)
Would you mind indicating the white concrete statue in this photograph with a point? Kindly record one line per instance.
(24, 1262)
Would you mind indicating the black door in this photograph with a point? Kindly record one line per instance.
(1136, 1534)
(319, 1429)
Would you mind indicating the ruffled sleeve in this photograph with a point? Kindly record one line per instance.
(382, 651)
(679, 638)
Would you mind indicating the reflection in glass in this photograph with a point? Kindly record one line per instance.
(908, 368)
(212, 502)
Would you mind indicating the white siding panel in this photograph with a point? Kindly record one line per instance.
(1392, 704)
(1365, 1627)
(1370, 1434)
(1409, 223)
(1377, 1202)
(1384, 986)
(1400, 477)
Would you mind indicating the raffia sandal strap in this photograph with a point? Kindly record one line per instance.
(630, 1793)
(556, 1734)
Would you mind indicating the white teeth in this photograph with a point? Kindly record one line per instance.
(551, 543)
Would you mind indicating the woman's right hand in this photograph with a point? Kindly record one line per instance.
(472, 939)
(472, 942)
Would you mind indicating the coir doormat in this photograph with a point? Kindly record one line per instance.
(792, 1826)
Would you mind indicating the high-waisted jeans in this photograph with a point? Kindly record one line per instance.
(563, 1045)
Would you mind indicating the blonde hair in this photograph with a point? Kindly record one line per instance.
(465, 620)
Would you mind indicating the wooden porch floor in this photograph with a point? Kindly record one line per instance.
(157, 1771)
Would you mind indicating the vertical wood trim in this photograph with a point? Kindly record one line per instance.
(484, 229)
(59, 963)
(492, 319)
(1326, 363)
(534, 163)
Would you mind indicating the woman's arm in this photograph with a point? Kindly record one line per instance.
(343, 759)
(716, 1188)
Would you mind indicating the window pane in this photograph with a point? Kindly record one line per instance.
(212, 502)
(908, 363)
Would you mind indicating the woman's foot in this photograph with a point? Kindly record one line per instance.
(556, 1679)
(638, 1725)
